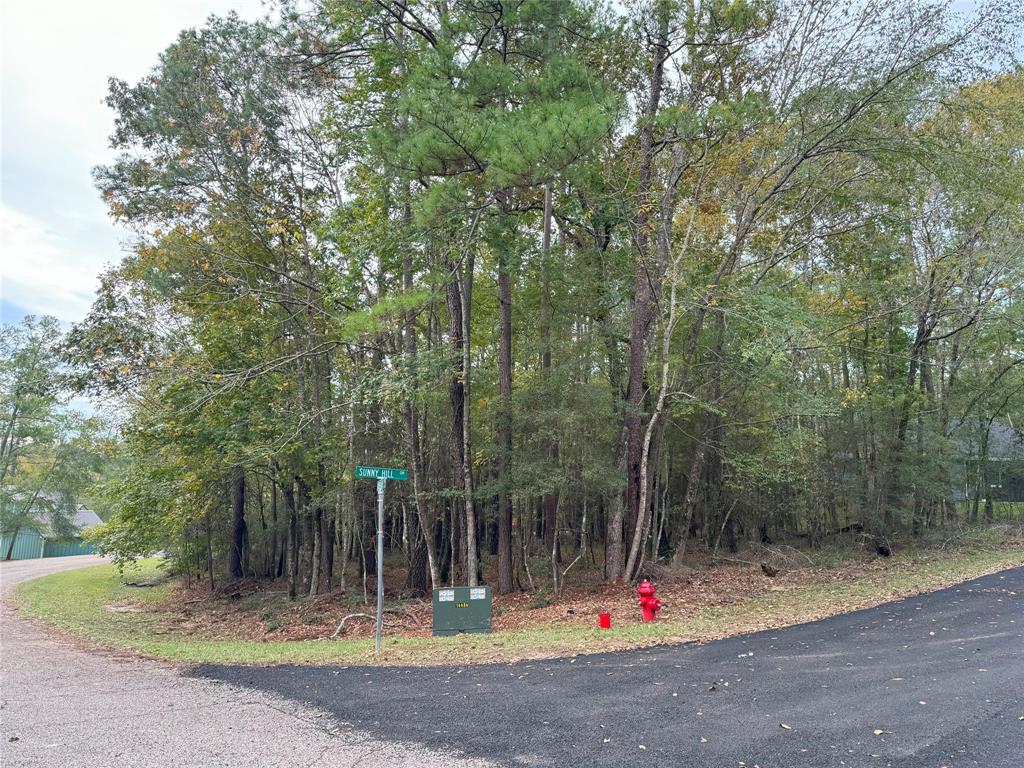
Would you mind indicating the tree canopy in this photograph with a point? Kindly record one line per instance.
(50, 454)
(614, 284)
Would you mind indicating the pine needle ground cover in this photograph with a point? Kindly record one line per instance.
(147, 612)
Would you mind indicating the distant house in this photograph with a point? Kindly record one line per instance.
(999, 475)
(44, 543)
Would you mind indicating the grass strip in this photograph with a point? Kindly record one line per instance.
(95, 604)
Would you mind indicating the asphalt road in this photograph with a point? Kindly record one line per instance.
(935, 680)
(64, 707)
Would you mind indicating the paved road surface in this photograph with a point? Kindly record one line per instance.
(62, 707)
(936, 680)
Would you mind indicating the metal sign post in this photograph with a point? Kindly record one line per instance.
(381, 475)
(382, 483)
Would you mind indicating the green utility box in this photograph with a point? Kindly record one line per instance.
(462, 609)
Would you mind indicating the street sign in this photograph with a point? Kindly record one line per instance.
(381, 473)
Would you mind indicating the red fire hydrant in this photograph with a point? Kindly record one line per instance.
(649, 604)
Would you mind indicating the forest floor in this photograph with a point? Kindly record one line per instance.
(252, 622)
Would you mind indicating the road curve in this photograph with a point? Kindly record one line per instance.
(63, 707)
(930, 681)
(935, 680)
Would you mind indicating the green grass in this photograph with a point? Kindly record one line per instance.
(86, 603)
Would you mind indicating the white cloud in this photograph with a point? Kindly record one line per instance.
(42, 273)
(56, 59)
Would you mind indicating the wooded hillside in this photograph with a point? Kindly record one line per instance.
(613, 284)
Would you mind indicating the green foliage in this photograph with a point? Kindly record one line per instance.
(540, 599)
(50, 454)
(830, 241)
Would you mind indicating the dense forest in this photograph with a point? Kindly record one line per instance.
(617, 284)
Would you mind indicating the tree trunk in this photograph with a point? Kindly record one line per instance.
(645, 285)
(288, 490)
(413, 429)
(329, 536)
(892, 485)
(421, 574)
(317, 556)
(209, 550)
(690, 497)
(983, 485)
(238, 525)
(504, 426)
(273, 570)
(648, 447)
(550, 501)
(303, 497)
(457, 301)
(10, 547)
(346, 499)
(472, 545)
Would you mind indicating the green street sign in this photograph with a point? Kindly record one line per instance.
(381, 473)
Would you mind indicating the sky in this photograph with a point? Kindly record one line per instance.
(56, 236)
(57, 56)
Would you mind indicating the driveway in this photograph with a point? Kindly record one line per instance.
(935, 680)
(64, 707)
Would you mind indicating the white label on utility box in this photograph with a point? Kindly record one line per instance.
(477, 593)
(446, 596)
